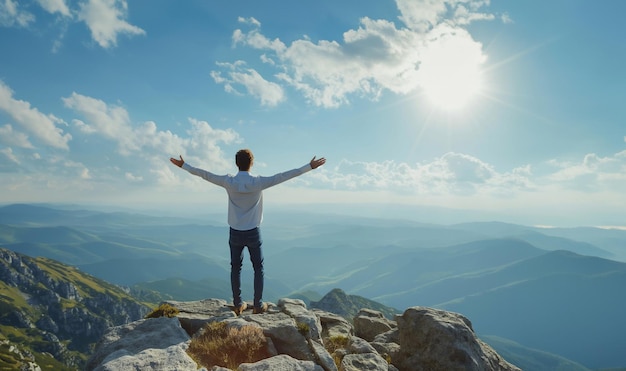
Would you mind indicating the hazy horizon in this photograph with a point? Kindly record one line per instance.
(216, 213)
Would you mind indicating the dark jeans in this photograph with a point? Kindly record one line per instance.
(237, 241)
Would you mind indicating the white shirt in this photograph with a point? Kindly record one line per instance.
(245, 193)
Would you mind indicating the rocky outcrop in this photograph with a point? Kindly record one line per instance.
(369, 323)
(436, 339)
(147, 344)
(419, 339)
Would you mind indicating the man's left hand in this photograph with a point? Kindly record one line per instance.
(176, 162)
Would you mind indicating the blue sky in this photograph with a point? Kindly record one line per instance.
(505, 109)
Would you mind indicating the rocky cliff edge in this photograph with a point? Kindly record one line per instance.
(299, 338)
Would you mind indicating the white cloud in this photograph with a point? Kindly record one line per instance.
(452, 173)
(11, 137)
(373, 57)
(8, 152)
(463, 175)
(421, 15)
(592, 174)
(112, 122)
(256, 40)
(269, 93)
(570, 193)
(106, 20)
(377, 56)
(41, 126)
(201, 144)
(464, 16)
(12, 15)
(250, 20)
(55, 6)
(133, 178)
(84, 174)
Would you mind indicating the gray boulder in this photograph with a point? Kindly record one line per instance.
(281, 362)
(322, 357)
(364, 362)
(283, 331)
(193, 315)
(433, 339)
(297, 310)
(369, 323)
(333, 325)
(148, 344)
(172, 358)
(359, 346)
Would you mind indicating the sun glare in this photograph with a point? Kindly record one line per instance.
(450, 74)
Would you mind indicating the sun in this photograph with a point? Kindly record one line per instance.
(452, 86)
(450, 73)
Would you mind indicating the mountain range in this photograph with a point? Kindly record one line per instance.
(42, 328)
(552, 290)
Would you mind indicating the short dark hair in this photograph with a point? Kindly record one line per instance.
(244, 159)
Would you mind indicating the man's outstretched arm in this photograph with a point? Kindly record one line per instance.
(180, 162)
(206, 175)
(270, 181)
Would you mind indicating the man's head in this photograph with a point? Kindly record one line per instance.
(244, 159)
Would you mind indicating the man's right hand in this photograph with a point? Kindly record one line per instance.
(176, 162)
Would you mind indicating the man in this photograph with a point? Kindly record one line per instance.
(245, 213)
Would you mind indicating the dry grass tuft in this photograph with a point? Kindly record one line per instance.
(164, 310)
(335, 343)
(228, 347)
(303, 328)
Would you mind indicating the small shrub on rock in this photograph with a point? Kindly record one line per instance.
(334, 345)
(164, 310)
(303, 329)
(336, 342)
(220, 345)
